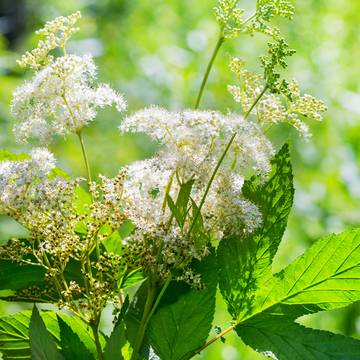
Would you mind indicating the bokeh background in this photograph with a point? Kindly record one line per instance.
(156, 52)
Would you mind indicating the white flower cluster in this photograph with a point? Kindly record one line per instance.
(62, 96)
(16, 177)
(192, 143)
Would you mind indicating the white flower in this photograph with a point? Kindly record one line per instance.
(192, 143)
(61, 98)
(16, 176)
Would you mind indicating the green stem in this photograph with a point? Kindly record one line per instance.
(95, 330)
(256, 101)
(211, 181)
(150, 307)
(152, 290)
(217, 337)
(208, 69)
(86, 160)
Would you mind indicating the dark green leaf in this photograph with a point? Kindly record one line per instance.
(244, 264)
(183, 321)
(72, 347)
(14, 276)
(42, 346)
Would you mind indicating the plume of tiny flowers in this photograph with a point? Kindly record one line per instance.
(191, 144)
(16, 177)
(62, 97)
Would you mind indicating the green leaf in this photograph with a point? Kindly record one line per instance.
(184, 318)
(113, 243)
(15, 276)
(14, 333)
(245, 264)
(117, 339)
(134, 315)
(72, 347)
(132, 278)
(326, 276)
(281, 339)
(180, 209)
(41, 344)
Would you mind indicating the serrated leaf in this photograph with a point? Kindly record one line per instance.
(117, 339)
(244, 264)
(42, 346)
(14, 276)
(184, 318)
(326, 276)
(14, 333)
(282, 339)
(72, 347)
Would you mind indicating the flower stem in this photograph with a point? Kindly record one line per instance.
(86, 160)
(151, 305)
(256, 101)
(95, 330)
(208, 69)
(211, 181)
(217, 337)
(152, 290)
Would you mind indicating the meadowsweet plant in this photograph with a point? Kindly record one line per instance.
(207, 211)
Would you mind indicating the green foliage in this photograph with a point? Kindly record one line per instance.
(244, 264)
(325, 277)
(281, 339)
(18, 277)
(72, 347)
(183, 320)
(42, 346)
(15, 338)
(265, 306)
(117, 339)
(180, 209)
(6, 155)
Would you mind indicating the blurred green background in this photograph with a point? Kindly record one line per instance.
(156, 52)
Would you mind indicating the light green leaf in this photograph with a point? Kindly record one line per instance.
(42, 346)
(14, 333)
(180, 209)
(132, 278)
(326, 276)
(184, 319)
(282, 339)
(244, 264)
(117, 339)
